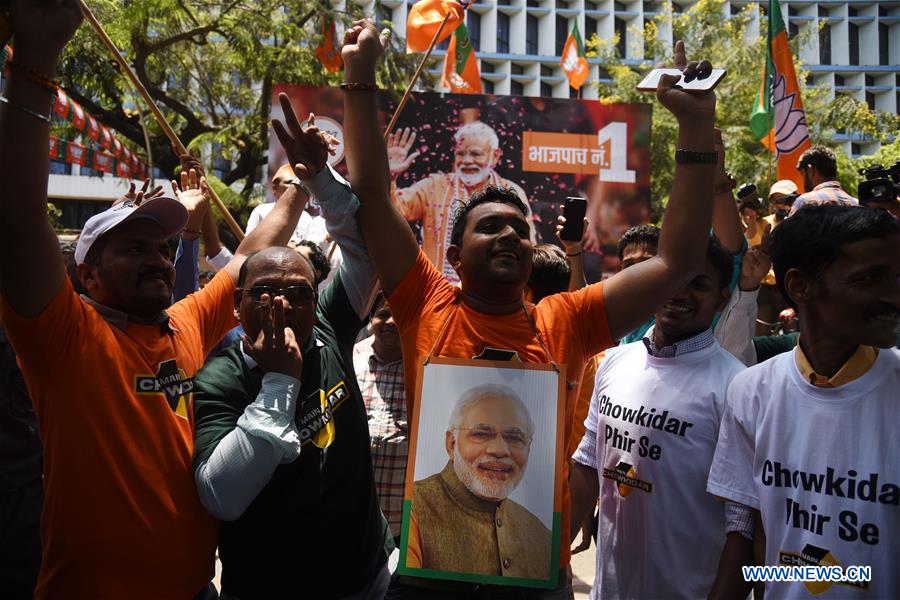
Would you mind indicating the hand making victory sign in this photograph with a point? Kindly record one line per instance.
(307, 148)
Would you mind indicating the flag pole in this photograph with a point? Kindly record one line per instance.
(415, 78)
(163, 123)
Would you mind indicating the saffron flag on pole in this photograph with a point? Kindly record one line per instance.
(574, 60)
(461, 65)
(778, 120)
(326, 51)
(425, 18)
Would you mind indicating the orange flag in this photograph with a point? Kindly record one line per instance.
(326, 51)
(425, 17)
(778, 120)
(573, 60)
(461, 65)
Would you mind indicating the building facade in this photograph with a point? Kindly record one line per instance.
(519, 43)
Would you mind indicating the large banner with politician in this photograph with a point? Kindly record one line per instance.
(446, 147)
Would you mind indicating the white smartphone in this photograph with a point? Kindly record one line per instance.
(650, 82)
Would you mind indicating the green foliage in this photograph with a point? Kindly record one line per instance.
(210, 65)
(738, 45)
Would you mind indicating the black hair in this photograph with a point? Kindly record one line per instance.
(811, 239)
(491, 193)
(822, 159)
(319, 260)
(550, 272)
(721, 260)
(639, 234)
(754, 204)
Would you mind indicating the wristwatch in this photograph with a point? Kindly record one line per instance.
(687, 157)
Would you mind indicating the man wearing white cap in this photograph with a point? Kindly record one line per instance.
(110, 373)
(780, 201)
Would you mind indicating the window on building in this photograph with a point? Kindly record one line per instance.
(793, 30)
(854, 43)
(792, 11)
(516, 69)
(573, 93)
(562, 4)
(546, 71)
(531, 34)
(546, 90)
(809, 79)
(870, 80)
(677, 8)
(838, 79)
(487, 86)
(602, 73)
(622, 32)
(735, 9)
(825, 45)
(884, 54)
(882, 10)
(562, 32)
(487, 67)
(516, 88)
(870, 100)
(619, 6)
(383, 13)
(852, 12)
(590, 5)
(502, 32)
(648, 6)
(823, 12)
(534, 3)
(473, 24)
(855, 149)
(591, 26)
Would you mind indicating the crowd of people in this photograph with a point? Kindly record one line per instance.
(155, 416)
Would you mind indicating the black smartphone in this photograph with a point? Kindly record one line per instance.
(573, 210)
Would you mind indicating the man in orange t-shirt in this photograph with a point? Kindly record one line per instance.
(110, 373)
(491, 250)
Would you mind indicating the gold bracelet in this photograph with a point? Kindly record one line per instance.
(357, 86)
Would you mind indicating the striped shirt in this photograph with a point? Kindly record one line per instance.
(829, 192)
(383, 393)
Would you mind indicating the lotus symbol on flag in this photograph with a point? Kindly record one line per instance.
(570, 60)
(457, 81)
(790, 121)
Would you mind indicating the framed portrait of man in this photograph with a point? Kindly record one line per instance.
(483, 489)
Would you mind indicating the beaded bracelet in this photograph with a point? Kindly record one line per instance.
(356, 86)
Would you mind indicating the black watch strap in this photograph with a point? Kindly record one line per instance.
(693, 157)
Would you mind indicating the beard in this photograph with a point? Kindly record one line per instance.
(471, 180)
(482, 487)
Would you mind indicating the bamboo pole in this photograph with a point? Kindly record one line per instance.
(163, 123)
(415, 78)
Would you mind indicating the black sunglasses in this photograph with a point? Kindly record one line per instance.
(295, 294)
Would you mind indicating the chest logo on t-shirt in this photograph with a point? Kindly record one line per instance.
(813, 556)
(171, 382)
(317, 420)
(627, 477)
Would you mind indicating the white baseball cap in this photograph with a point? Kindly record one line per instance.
(783, 186)
(168, 212)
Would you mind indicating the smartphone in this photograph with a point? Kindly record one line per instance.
(573, 210)
(650, 82)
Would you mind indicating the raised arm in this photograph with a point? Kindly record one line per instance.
(635, 293)
(31, 265)
(726, 222)
(391, 242)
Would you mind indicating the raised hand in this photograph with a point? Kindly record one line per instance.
(193, 193)
(307, 148)
(687, 106)
(136, 196)
(754, 266)
(570, 246)
(399, 144)
(362, 48)
(275, 349)
(41, 29)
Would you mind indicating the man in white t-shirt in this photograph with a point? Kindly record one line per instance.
(650, 436)
(809, 439)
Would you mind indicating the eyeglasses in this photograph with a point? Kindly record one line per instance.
(514, 438)
(295, 294)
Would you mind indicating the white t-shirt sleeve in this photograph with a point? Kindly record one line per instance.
(731, 473)
(256, 217)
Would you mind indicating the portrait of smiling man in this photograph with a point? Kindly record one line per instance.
(462, 518)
